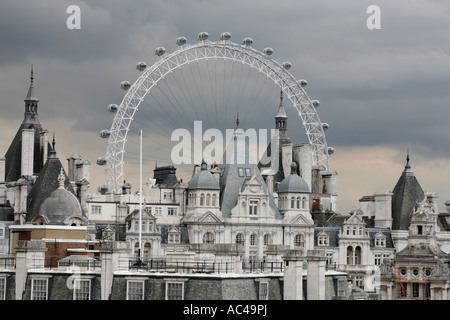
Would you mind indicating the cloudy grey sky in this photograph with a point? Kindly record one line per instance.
(382, 91)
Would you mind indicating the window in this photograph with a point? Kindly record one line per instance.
(298, 240)
(172, 211)
(298, 202)
(174, 237)
(82, 289)
(39, 289)
(208, 198)
(292, 203)
(96, 209)
(359, 282)
(2, 288)
(303, 202)
(241, 172)
(213, 200)
(329, 256)
(377, 259)
(158, 211)
(341, 285)
(167, 195)
(323, 241)
(253, 240)
(2, 231)
(202, 199)
(263, 291)
(266, 239)
(208, 238)
(239, 239)
(380, 242)
(248, 172)
(253, 207)
(174, 291)
(135, 290)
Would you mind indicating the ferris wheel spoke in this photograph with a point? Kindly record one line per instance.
(160, 75)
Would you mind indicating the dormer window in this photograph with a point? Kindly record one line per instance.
(380, 240)
(323, 240)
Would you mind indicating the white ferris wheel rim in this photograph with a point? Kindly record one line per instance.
(203, 50)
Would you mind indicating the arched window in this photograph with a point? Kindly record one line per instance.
(298, 202)
(298, 241)
(208, 237)
(357, 257)
(239, 238)
(349, 255)
(303, 202)
(208, 197)
(292, 203)
(213, 200)
(202, 199)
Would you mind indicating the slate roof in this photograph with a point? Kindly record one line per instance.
(406, 193)
(45, 184)
(293, 183)
(203, 180)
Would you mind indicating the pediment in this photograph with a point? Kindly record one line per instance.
(354, 219)
(301, 220)
(209, 217)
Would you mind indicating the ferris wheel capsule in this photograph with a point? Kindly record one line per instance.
(102, 189)
(104, 134)
(203, 36)
(141, 66)
(315, 103)
(325, 126)
(125, 85)
(247, 41)
(268, 51)
(286, 65)
(113, 108)
(101, 161)
(181, 41)
(160, 51)
(303, 83)
(330, 150)
(225, 36)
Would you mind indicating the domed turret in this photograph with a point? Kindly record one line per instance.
(293, 183)
(61, 205)
(204, 180)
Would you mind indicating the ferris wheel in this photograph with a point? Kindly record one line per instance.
(185, 56)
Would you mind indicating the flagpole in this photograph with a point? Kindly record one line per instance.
(140, 197)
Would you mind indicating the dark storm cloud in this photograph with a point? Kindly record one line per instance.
(385, 87)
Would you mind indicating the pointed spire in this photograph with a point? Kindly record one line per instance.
(281, 111)
(31, 96)
(407, 160)
(52, 153)
(237, 121)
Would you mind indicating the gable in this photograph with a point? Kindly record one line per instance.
(209, 217)
(301, 220)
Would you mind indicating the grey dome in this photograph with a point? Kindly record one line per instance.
(60, 205)
(293, 183)
(204, 180)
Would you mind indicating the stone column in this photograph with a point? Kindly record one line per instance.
(293, 275)
(29, 255)
(115, 256)
(315, 281)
